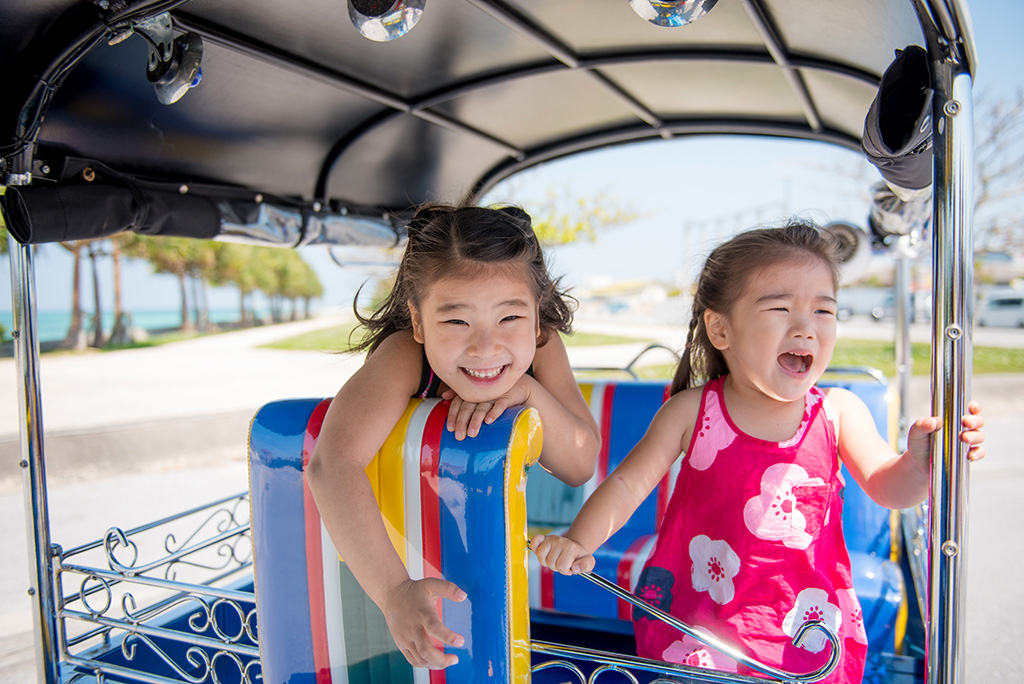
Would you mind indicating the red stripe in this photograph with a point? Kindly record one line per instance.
(606, 431)
(430, 457)
(314, 554)
(624, 574)
(547, 588)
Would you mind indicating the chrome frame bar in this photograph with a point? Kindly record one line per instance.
(727, 649)
(953, 269)
(33, 463)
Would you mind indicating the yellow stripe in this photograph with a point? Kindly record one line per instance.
(524, 450)
(587, 389)
(385, 473)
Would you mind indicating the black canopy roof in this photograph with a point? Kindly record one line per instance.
(294, 102)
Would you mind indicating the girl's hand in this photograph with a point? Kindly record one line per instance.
(414, 623)
(561, 554)
(919, 442)
(465, 418)
(972, 434)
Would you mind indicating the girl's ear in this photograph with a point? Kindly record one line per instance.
(715, 325)
(417, 323)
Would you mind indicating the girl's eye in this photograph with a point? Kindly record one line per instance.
(826, 312)
(513, 317)
(455, 321)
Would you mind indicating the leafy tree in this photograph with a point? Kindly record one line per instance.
(75, 337)
(166, 255)
(999, 161)
(236, 264)
(562, 216)
(311, 288)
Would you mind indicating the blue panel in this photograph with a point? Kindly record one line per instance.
(279, 541)
(879, 586)
(865, 523)
(474, 555)
(633, 408)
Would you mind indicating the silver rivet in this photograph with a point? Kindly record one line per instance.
(23, 463)
(31, 591)
(258, 198)
(183, 189)
(954, 332)
(44, 168)
(950, 548)
(15, 334)
(952, 108)
(317, 206)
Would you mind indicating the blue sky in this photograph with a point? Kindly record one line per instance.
(679, 186)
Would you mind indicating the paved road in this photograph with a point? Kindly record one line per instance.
(224, 378)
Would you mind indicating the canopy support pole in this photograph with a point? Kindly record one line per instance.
(953, 301)
(37, 512)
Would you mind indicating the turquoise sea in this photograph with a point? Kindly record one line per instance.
(53, 325)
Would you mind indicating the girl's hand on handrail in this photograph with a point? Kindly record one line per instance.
(561, 554)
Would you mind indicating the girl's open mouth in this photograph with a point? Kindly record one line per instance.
(484, 374)
(796, 363)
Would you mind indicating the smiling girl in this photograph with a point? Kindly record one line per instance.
(473, 318)
(752, 545)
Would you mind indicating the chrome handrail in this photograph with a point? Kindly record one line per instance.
(817, 675)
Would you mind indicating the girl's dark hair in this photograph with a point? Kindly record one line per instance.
(724, 277)
(447, 241)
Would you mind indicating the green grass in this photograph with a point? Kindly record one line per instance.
(874, 353)
(336, 339)
(333, 339)
(881, 355)
(583, 339)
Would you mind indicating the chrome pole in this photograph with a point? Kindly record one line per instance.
(953, 301)
(37, 516)
(904, 313)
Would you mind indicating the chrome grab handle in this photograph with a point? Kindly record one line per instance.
(817, 675)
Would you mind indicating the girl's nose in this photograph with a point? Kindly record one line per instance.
(483, 343)
(802, 327)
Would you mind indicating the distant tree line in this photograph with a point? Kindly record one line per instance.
(280, 274)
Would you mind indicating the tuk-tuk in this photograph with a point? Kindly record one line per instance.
(320, 123)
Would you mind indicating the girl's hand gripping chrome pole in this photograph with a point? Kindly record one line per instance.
(819, 674)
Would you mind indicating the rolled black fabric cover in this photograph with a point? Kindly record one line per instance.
(37, 214)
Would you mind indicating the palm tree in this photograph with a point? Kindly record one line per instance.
(165, 255)
(121, 332)
(75, 337)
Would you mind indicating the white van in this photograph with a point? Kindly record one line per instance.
(1004, 309)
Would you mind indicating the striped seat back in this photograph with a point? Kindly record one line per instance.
(452, 509)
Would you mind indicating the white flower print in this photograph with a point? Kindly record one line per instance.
(773, 514)
(713, 432)
(714, 566)
(690, 651)
(810, 401)
(812, 604)
(853, 615)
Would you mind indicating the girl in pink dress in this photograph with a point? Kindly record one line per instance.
(752, 545)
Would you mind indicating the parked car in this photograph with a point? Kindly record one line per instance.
(1003, 309)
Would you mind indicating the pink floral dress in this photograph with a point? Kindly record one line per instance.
(752, 547)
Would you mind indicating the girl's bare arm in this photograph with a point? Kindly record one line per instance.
(890, 479)
(622, 492)
(358, 421)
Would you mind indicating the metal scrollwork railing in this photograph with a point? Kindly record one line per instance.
(149, 606)
(622, 665)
